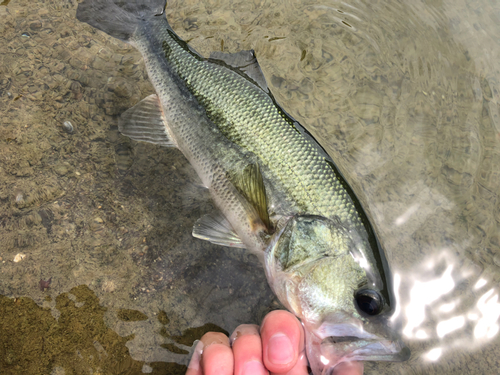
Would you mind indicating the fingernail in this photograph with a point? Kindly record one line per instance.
(254, 368)
(194, 363)
(280, 349)
(244, 329)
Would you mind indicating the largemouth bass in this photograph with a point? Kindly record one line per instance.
(278, 193)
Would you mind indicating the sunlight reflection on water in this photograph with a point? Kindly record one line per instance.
(423, 294)
(487, 326)
(431, 300)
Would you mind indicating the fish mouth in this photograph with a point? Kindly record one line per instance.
(349, 342)
(350, 348)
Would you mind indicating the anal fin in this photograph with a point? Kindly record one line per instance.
(145, 122)
(216, 229)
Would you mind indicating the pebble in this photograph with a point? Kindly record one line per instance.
(37, 25)
(19, 257)
(98, 220)
(19, 197)
(121, 87)
(68, 127)
(61, 169)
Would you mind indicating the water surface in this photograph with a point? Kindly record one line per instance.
(403, 95)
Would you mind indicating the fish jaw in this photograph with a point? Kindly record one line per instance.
(349, 339)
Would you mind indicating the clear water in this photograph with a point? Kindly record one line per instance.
(405, 97)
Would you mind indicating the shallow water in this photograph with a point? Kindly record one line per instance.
(403, 95)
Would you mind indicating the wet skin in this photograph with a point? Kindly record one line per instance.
(276, 347)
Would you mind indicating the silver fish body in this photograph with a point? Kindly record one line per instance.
(279, 194)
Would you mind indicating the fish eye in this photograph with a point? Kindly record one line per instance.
(369, 301)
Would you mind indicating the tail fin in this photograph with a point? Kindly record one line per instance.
(118, 18)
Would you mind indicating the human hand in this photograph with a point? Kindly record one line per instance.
(277, 348)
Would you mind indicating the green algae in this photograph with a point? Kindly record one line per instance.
(128, 315)
(34, 342)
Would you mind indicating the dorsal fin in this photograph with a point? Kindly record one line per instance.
(246, 62)
(145, 122)
(251, 185)
(215, 228)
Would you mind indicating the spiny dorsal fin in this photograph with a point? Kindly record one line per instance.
(251, 185)
(145, 122)
(215, 228)
(246, 62)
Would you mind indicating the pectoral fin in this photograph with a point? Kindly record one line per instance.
(251, 185)
(215, 228)
(145, 122)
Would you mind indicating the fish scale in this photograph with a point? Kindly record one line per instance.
(304, 173)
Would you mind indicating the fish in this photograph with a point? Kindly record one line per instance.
(277, 192)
